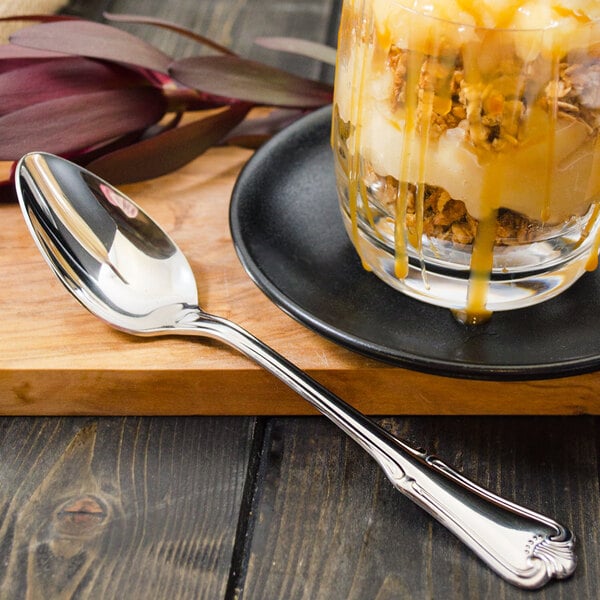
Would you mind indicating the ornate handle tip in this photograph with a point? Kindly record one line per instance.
(554, 554)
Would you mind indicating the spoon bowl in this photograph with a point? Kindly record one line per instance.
(127, 271)
(111, 256)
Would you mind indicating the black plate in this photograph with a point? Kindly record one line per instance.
(289, 236)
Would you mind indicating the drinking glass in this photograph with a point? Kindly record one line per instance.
(467, 148)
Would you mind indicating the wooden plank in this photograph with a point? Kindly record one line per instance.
(58, 359)
(328, 524)
(120, 508)
(232, 23)
(87, 10)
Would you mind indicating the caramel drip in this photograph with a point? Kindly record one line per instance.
(426, 111)
(578, 15)
(503, 17)
(367, 207)
(482, 259)
(413, 71)
(551, 148)
(592, 261)
(482, 252)
(360, 29)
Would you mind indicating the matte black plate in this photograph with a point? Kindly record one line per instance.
(289, 236)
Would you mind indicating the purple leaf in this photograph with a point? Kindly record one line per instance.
(170, 26)
(12, 52)
(15, 57)
(103, 148)
(184, 98)
(249, 81)
(252, 133)
(7, 193)
(74, 123)
(40, 17)
(320, 52)
(168, 151)
(93, 40)
(45, 80)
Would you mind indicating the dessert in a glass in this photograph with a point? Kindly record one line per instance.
(467, 148)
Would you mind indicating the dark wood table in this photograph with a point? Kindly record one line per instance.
(268, 507)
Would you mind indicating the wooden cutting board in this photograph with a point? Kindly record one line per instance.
(57, 359)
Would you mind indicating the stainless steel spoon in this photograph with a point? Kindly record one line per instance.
(126, 270)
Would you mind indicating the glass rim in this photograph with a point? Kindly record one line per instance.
(556, 26)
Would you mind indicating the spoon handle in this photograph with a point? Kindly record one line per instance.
(525, 548)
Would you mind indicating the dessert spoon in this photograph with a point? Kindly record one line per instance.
(128, 272)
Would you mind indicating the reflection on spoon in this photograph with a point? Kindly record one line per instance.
(126, 270)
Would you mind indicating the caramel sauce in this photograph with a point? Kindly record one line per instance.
(356, 110)
(405, 157)
(592, 261)
(569, 12)
(551, 142)
(482, 259)
(503, 17)
(420, 103)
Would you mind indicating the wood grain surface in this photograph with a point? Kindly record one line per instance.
(58, 359)
(120, 508)
(327, 521)
(265, 508)
(283, 508)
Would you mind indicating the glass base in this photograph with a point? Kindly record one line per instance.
(446, 287)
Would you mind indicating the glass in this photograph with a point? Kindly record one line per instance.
(467, 150)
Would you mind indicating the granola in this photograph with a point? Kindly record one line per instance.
(493, 110)
(447, 219)
(493, 114)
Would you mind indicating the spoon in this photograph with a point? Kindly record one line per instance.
(127, 271)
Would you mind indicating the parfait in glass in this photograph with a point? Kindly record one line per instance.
(466, 142)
